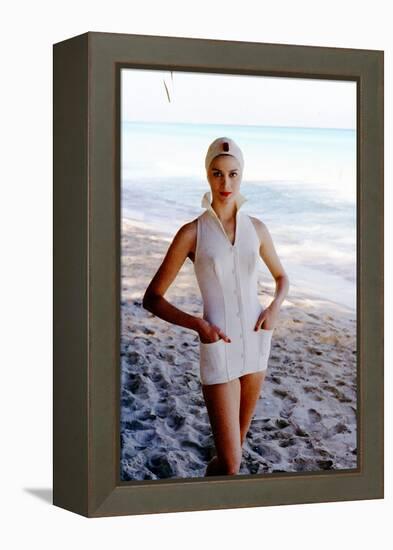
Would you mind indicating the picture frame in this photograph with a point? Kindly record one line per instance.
(86, 267)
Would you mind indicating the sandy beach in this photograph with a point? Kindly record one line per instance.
(305, 419)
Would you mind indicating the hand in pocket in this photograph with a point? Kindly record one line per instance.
(267, 319)
(208, 333)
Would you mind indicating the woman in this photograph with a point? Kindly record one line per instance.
(235, 331)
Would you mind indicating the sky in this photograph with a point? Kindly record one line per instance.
(211, 98)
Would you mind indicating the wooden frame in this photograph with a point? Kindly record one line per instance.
(86, 273)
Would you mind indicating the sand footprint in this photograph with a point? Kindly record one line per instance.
(145, 414)
(159, 380)
(288, 402)
(323, 452)
(288, 442)
(143, 438)
(160, 465)
(282, 423)
(161, 410)
(288, 406)
(339, 428)
(136, 384)
(204, 452)
(313, 392)
(337, 393)
(325, 464)
(314, 416)
(267, 453)
(283, 393)
(135, 425)
(175, 421)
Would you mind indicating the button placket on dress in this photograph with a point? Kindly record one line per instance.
(239, 312)
(206, 202)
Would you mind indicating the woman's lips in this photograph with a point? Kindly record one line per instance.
(225, 194)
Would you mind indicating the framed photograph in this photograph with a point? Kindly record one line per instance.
(218, 336)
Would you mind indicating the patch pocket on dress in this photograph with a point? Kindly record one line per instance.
(212, 362)
(265, 342)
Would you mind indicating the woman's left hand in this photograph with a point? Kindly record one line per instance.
(268, 318)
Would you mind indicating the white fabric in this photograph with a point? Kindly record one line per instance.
(227, 278)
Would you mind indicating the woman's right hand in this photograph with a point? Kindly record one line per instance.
(209, 333)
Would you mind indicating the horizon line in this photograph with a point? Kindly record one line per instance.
(251, 125)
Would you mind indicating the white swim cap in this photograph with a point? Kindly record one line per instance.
(223, 146)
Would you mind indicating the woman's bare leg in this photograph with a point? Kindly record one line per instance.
(222, 403)
(250, 390)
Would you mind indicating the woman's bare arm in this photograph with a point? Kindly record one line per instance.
(269, 255)
(153, 299)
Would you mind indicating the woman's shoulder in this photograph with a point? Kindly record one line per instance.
(259, 225)
(187, 231)
(260, 228)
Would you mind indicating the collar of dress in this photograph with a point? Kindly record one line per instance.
(207, 200)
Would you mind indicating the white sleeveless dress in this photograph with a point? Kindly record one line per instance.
(227, 278)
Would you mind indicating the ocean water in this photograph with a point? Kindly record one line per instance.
(301, 182)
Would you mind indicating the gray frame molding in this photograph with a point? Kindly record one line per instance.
(86, 260)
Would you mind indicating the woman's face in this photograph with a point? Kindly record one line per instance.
(224, 176)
